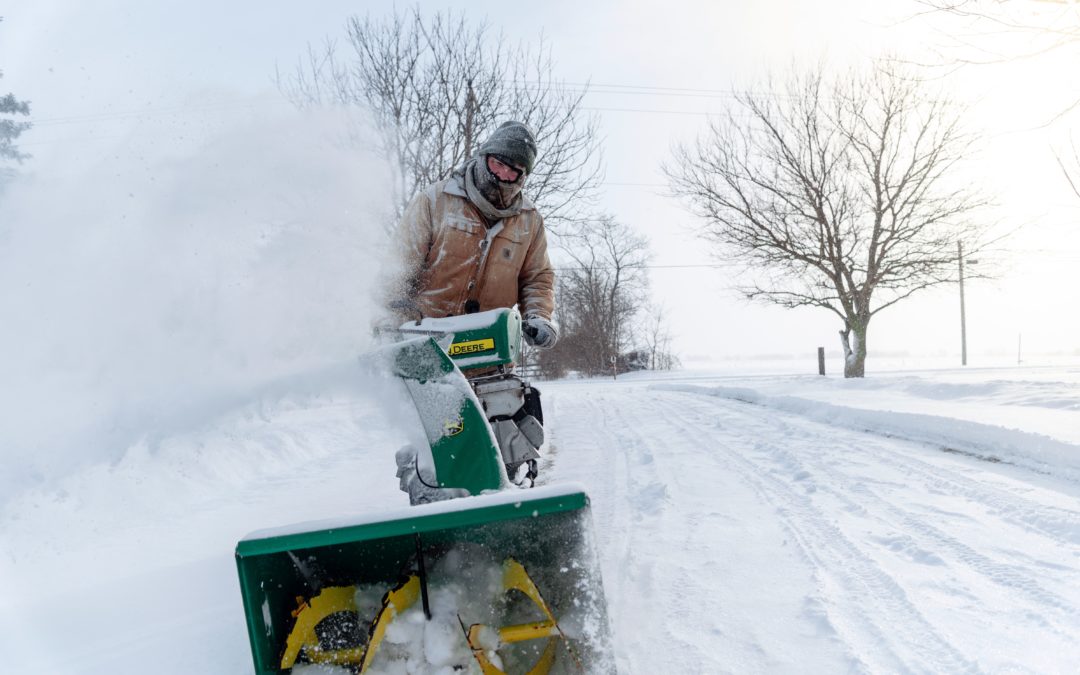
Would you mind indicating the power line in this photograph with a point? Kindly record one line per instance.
(169, 110)
(583, 88)
(588, 85)
(629, 92)
(643, 110)
(671, 91)
(262, 100)
(645, 267)
(619, 184)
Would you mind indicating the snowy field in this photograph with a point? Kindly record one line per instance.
(914, 521)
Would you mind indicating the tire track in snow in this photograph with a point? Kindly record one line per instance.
(684, 596)
(1009, 576)
(653, 607)
(591, 430)
(1052, 521)
(1017, 578)
(649, 491)
(637, 482)
(874, 614)
(1031, 577)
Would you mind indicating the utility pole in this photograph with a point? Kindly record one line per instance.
(470, 106)
(615, 356)
(963, 322)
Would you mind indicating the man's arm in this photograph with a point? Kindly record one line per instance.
(410, 244)
(536, 282)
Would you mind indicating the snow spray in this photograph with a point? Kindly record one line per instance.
(148, 287)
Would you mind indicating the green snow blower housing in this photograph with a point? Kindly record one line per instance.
(542, 538)
(462, 453)
(489, 339)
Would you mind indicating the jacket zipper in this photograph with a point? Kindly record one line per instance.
(485, 253)
(481, 265)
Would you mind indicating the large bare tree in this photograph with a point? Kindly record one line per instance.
(438, 84)
(840, 194)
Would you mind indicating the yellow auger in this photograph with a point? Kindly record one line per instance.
(515, 578)
(303, 637)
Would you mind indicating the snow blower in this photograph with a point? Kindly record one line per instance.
(481, 574)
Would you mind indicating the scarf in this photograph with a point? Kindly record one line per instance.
(476, 196)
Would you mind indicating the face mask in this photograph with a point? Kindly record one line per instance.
(500, 193)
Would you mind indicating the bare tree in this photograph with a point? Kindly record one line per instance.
(1046, 25)
(837, 195)
(438, 85)
(601, 291)
(657, 340)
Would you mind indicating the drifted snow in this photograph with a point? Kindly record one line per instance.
(796, 533)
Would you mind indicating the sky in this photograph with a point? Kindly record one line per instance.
(124, 82)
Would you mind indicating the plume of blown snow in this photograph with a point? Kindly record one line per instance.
(160, 283)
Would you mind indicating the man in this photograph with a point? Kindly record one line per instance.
(474, 242)
(471, 243)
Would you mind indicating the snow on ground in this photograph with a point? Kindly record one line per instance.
(128, 567)
(746, 524)
(1027, 417)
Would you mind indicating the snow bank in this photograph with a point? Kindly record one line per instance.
(986, 441)
(155, 289)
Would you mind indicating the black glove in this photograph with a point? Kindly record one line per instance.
(539, 332)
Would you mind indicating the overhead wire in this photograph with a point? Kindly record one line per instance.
(262, 99)
(584, 88)
(647, 267)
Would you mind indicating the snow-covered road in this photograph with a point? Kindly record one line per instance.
(737, 538)
(772, 536)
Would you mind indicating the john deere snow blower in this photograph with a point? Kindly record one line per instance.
(482, 574)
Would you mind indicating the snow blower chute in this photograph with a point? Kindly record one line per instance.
(479, 575)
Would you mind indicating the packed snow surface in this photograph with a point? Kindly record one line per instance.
(909, 522)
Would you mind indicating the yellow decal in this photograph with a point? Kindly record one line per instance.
(472, 346)
(453, 428)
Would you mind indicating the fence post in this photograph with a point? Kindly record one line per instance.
(821, 360)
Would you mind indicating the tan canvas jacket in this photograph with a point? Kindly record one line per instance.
(450, 256)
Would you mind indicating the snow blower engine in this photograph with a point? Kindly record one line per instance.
(484, 346)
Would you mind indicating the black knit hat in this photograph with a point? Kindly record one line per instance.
(514, 141)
